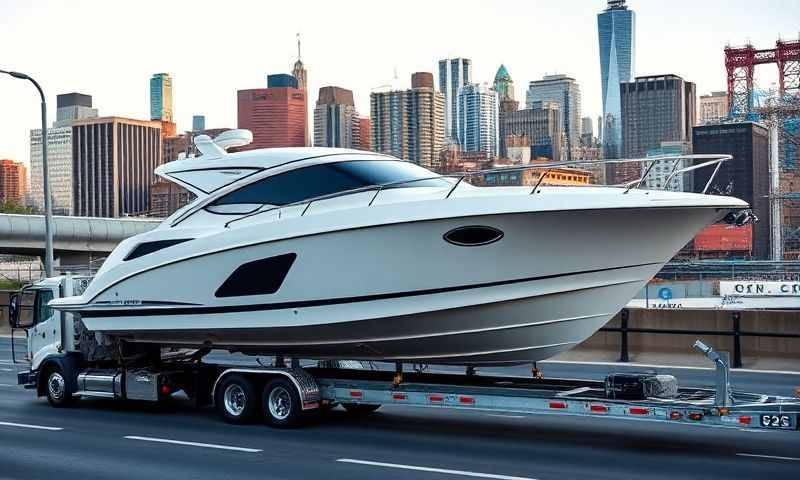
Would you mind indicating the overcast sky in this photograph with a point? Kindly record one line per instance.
(109, 49)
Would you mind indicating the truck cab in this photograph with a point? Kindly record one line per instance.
(50, 334)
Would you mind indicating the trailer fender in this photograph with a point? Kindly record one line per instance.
(306, 385)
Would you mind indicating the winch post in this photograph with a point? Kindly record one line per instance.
(722, 362)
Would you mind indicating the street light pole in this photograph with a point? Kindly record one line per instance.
(48, 208)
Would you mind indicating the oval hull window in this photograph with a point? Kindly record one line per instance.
(473, 236)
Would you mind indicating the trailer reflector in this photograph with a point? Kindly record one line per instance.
(399, 396)
(356, 393)
(598, 409)
(639, 411)
(675, 415)
(436, 398)
(466, 400)
(745, 419)
(558, 405)
(695, 416)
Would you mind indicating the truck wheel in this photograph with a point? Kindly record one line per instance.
(360, 408)
(236, 399)
(281, 404)
(57, 387)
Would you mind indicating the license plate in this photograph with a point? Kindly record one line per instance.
(776, 421)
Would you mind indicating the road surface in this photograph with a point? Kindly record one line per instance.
(104, 439)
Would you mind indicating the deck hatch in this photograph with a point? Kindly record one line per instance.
(259, 277)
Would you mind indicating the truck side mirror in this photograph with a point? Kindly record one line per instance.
(19, 315)
(13, 310)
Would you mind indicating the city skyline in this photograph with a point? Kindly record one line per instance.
(119, 82)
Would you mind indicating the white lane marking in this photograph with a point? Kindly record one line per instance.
(25, 425)
(433, 470)
(6, 385)
(6, 369)
(770, 457)
(193, 444)
(676, 367)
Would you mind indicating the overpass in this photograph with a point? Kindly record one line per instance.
(76, 240)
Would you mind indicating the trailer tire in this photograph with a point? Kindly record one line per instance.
(281, 404)
(236, 399)
(58, 387)
(359, 409)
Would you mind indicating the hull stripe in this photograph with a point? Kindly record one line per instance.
(136, 312)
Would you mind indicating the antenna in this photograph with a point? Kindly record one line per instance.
(298, 46)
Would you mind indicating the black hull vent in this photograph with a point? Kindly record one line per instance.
(259, 277)
(473, 236)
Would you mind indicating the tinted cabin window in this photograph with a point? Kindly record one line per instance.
(326, 179)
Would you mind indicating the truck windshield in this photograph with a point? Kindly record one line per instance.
(329, 178)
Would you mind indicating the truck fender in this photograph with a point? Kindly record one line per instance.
(306, 385)
(70, 364)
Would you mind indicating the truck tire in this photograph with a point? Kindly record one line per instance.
(281, 405)
(57, 387)
(360, 408)
(236, 399)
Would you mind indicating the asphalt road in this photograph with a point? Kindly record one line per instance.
(104, 439)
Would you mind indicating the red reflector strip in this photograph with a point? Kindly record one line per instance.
(599, 409)
(745, 420)
(558, 405)
(356, 393)
(399, 396)
(308, 405)
(675, 415)
(466, 400)
(436, 398)
(639, 411)
(696, 416)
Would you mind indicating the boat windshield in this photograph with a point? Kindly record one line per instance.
(326, 179)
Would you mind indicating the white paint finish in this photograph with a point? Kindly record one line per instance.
(768, 457)
(33, 427)
(193, 444)
(446, 471)
(675, 367)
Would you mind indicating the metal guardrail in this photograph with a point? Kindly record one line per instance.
(712, 160)
(735, 331)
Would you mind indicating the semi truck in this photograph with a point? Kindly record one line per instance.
(66, 362)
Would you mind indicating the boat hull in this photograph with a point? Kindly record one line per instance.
(401, 292)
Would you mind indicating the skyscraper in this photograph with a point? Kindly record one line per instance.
(566, 92)
(409, 124)
(70, 107)
(504, 86)
(541, 125)
(477, 119)
(299, 72)
(654, 109)
(616, 33)
(13, 182)
(113, 163)
(161, 97)
(336, 122)
(198, 123)
(364, 129)
(746, 177)
(713, 108)
(277, 115)
(587, 132)
(454, 73)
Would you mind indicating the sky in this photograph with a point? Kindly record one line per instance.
(109, 49)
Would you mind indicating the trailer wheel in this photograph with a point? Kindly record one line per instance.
(58, 388)
(360, 408)
(236, 399)
(281, 404)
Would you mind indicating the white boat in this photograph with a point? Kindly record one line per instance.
(331, 253)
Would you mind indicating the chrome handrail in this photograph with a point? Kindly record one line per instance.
(717, 160)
